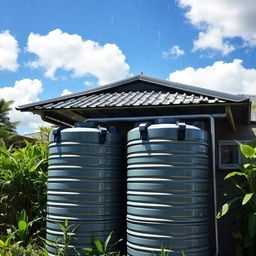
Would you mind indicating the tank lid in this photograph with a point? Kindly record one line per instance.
(137, 124)
(86, 124)
(165, 121)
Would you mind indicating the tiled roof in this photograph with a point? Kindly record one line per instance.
(137, 96)
(120, 89)
(126, 99)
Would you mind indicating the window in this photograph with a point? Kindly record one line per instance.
(229, 153)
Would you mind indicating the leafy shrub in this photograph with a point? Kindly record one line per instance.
(243, 202)
(19, 240)
(62, 245)
(23, 177)
(17, 250)
(103, 249)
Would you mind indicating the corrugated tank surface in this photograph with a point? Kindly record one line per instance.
(167, 190)
(84, 184)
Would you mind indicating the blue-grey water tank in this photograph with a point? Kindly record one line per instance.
(85, 168)
(167, 197)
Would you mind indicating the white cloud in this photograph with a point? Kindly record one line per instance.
(230, 77)
(174, 51)
(24, 91)
(59, 50)
(8, 52)
(88, 83)
(212, 39)
(65, 92)
(221, 20)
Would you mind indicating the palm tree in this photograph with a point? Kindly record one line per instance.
(7, 128)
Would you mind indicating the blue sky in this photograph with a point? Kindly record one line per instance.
(51, 48)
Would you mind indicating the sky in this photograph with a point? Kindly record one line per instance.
(50, 48)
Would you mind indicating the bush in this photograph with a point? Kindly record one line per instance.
(243, 202)
(23, 179)
(17, 250)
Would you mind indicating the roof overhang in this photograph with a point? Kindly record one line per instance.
(147, 96)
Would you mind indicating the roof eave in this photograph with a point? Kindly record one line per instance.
(140, 77)
(74, 95)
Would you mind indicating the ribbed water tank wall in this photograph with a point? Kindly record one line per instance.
(85, 168)
(167, 200)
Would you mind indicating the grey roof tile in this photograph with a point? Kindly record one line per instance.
(87, 98)
(119, 99)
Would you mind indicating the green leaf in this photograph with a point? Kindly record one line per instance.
(233, 174)
(247, 151)
(8, 240)
(225, 207)
(97, 243)
(61, 227)
(2, 244)
(107, 241)
(22, 225)
(23, 215)
(75, 228)
(223, 210)
(45, 252)
(182, 253)
(162, 251)
(114, 244)
(48, 241)
(87, 249)
(247, 198)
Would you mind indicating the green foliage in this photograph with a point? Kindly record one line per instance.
(5, 107)
(44, 133)
(17, 250)
(62, 245)
(165, 253)
(21, 232)
(64, 248)
(23, 177)
(103, 249)
(7, 242)
(67, 229)
(19, 239)
(244, 182)
(7, 128)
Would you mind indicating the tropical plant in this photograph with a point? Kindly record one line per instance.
(165, 253)
(5, 107)
(23, 177)
(6, 242)
(21, 232)
(103, 249)
(7, 128)
(243, 201)
(63, 245)
(18, 240)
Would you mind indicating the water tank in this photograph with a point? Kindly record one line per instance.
(84, 177)
(167, 190)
